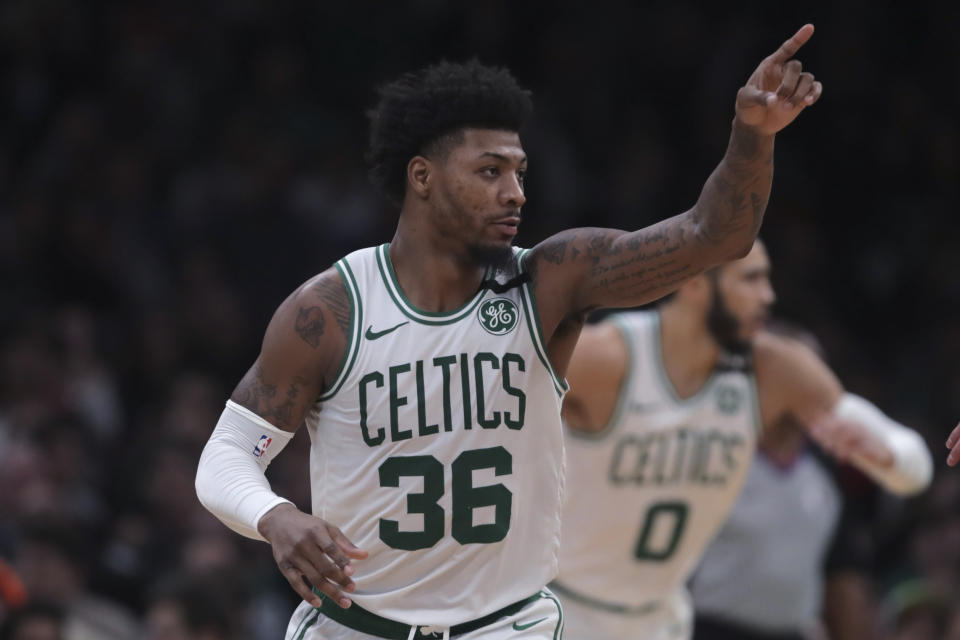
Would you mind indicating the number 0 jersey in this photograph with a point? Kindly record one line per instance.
(439, 448)
(646, 494)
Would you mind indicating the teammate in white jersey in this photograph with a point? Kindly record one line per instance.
(429, 371)
(663, 415)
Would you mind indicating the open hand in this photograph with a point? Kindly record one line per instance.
(306, 547)
(849, 441)
(779, 89)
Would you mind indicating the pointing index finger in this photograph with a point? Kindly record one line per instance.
(789, 48)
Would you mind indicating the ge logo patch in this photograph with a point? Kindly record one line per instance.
(498, 316)
(728, 399)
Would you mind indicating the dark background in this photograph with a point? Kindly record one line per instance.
(170, 171)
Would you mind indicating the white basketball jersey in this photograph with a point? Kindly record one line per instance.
(646, 495)
(439, 449)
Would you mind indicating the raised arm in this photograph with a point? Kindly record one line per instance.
(583, 269)
(302, 350)
(792, 380)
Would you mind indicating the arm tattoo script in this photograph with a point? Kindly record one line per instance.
(623, 269)
(643, 264)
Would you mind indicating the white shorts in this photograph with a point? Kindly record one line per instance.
(670, 619)
(541, 619)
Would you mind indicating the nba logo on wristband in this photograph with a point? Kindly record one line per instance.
(262, 445)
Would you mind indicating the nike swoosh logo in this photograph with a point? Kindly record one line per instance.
(373, 335)
(522, 627)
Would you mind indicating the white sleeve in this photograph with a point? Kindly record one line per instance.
(912, 467)
(230, 479)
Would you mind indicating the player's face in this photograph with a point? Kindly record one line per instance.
(480, 192)
(744, 294)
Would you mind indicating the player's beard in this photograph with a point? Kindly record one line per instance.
(496, 256)
(724, 326)
(455, 221)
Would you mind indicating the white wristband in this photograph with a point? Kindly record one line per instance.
(912, 467)
(230, 479)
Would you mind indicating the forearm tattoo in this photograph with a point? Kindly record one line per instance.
(731, 206)
(612, 268)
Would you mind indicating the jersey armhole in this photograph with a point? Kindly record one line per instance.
(356, 323)
(623, 394)
(533, 326)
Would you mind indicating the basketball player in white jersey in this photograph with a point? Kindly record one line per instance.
(429, 371)
(663, 415)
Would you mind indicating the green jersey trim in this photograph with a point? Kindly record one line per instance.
(356, 324)
(665, 382)
(301, 628)
(640, 610)
(558, 630)
(616, 418)
(533, 325)
(757, 412)
(417, 315)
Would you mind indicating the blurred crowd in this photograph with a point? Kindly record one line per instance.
(169, 172)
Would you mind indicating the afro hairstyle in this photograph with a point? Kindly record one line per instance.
(421, 108)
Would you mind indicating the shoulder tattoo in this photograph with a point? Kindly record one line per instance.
(311, 321)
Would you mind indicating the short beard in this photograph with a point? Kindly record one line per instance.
(724, 326)
(497, 257)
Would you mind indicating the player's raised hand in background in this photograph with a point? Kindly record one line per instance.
(953, 443)
(779, 89)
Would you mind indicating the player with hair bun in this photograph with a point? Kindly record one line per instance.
(663, 418)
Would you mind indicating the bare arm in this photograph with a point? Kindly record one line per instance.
(793, 381)
(302, 350)
(612, 268)
(596, 374)
(583, 269)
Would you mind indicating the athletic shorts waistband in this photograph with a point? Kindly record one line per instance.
(638, 610)
(359, 619)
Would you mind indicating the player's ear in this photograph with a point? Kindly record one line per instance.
(419, 172)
